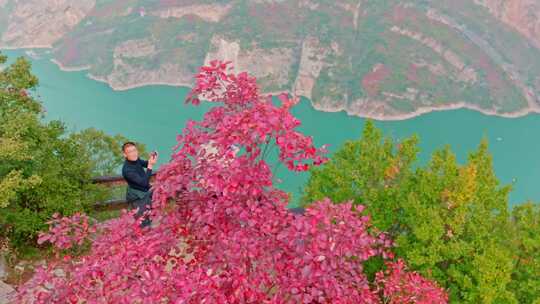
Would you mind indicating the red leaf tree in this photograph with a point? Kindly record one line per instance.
(222, 232)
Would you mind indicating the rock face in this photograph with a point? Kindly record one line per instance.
(312, 61)
(381, 59)
(6, 293)
(37, 23)
(207, 12)
(522, 15)
(273, 65)
(223, 50)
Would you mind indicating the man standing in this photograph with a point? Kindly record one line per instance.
(138, 193)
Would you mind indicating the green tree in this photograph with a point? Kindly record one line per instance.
(16, 114)
(104, 151)
(454, 223)
(449, 221)
(43, 169)
(373, 171)
(526, 242)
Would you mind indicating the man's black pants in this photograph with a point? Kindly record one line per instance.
(142, 201)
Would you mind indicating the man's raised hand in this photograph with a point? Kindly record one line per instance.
(152, 160)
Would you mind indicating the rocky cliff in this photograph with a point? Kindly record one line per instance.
(37, 23)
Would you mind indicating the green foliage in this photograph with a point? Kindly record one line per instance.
(453, 223)
(103, 151)
(44, 170)
(449, 221)
(375, 178)
(526, 241)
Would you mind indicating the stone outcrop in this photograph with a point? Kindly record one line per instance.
(222, 49)
(311, 64)
(273, 64)
(38, 23)
(7, 293)
(126, 75)
(207, 12)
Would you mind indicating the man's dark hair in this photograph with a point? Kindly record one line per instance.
(127, 144)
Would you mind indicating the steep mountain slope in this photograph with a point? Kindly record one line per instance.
(384, 59)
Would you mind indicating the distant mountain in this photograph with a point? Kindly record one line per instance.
(378, 58)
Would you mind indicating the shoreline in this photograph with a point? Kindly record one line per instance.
(134, 86)
(387, 117)
(113, 87)
(26, 47)
(70, 69)
(375, 116)
(426, 110)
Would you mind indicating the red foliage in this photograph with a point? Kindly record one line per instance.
(401, 286)
(66, 232)
(222, 232)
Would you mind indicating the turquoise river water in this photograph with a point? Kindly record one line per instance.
(156, 114)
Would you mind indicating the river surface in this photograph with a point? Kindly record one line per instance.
(154, 115)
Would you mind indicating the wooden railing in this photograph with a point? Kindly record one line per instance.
(114, 181)
(118, 180)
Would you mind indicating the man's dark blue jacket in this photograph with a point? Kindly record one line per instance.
(133, 173)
